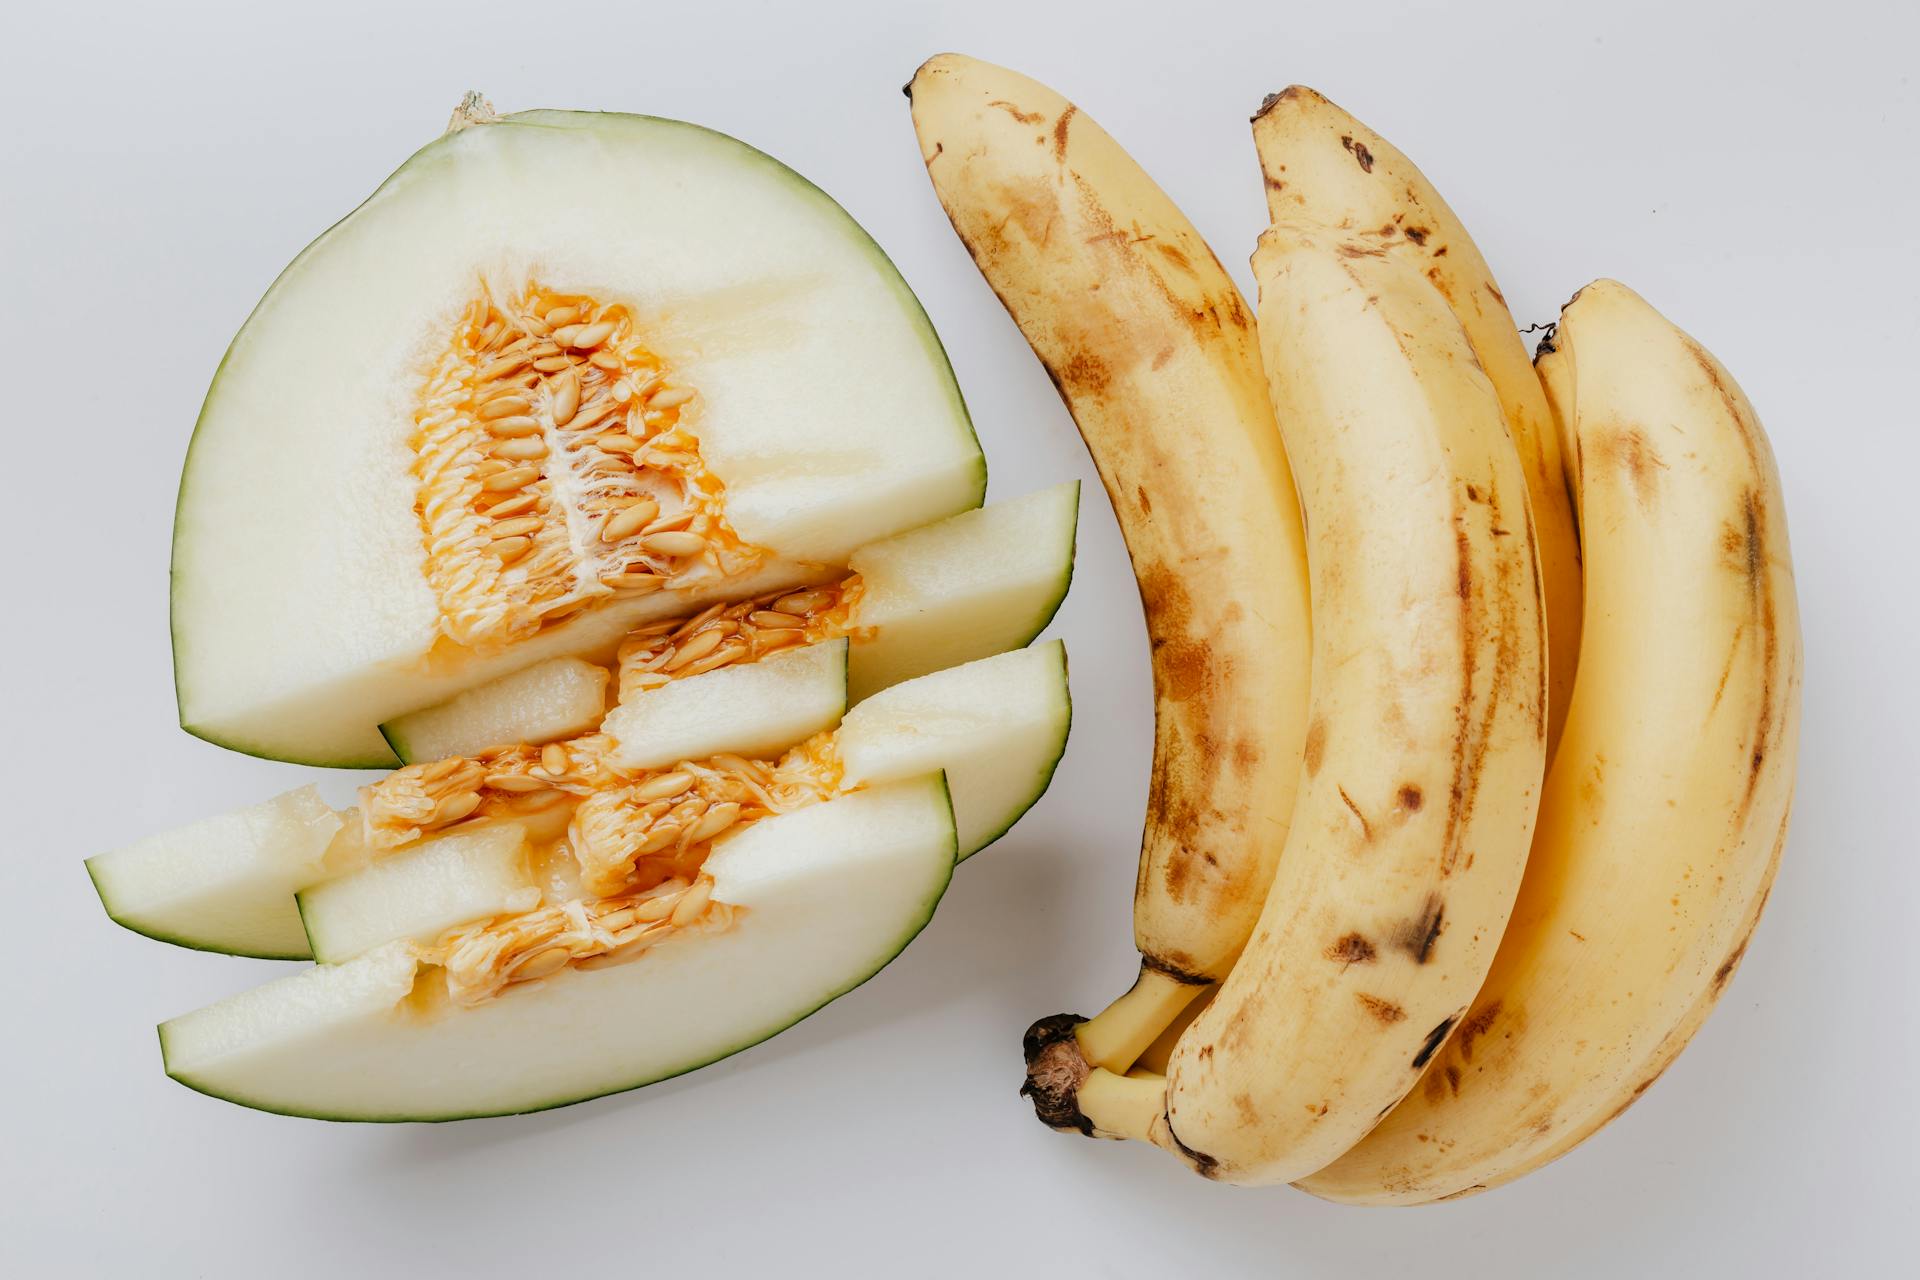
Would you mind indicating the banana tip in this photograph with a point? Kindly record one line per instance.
(1273, 100)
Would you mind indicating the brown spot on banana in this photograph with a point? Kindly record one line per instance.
(1418, 935)
(1024, 117)
(1763, 614)
(1316, 747)
(1629, 451)
(1060, 127)
(1204, 1165)
(1351, 948)
(1386, 1012)
(1366, 829)
(1463, 1193)
(1475, 1025)
(1431, 1045)
(1186, 977)
(1727, 966)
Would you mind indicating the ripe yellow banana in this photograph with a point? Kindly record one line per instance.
(1154, 351)
(1666, 809)
(1323, 166)
(1427, 736)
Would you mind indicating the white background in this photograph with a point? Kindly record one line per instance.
(1752, 174)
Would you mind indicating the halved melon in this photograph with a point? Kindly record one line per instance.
(227, 883)
(790, 914)
(997, 727)
(971, 585)
(561, 374)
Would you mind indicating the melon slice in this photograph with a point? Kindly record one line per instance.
(997, 727)
(755, 709)
(227, 883)
(561, 374)
(459, 877)
(971, 585)
(798, 911)
(223, 883)
(559, 698)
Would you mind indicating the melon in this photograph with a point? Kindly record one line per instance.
(224, 883)
(996, 728)
(421, 892)
(966, 587)
(227, 883)
(787, 915)
(561, 375)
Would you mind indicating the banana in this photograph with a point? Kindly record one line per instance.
(1154, 1058)
(1666, 809)
(1154, 352)
(1323, 166)
(1427, 734)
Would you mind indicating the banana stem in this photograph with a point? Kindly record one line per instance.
(1158, 1054)
(1116, 1038)
(1125, 1106)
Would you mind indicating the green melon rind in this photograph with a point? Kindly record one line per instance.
(396, 740)
(914, 311)
(912, 932)
(1044, 780)
(1066, 577)
(306, 926)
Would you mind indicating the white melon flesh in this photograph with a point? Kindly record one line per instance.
(419, 893)
(997, 727)
(827, 896)
(560, 698)
(966, 587)
(228, 883)
(754, 709)
(302, 617)
(224, 883)
(974, 584)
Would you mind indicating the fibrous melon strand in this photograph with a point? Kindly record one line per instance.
(555, 471)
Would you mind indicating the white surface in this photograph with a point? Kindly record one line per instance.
(1747, 167)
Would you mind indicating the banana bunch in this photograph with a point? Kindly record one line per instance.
(1477, 679)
